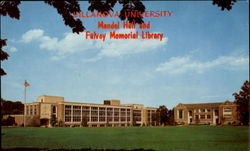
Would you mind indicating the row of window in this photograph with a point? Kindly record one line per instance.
(151, 115)
(113, 114)
(190, 112)
(31, 110)
(203, 116)
(95, 119)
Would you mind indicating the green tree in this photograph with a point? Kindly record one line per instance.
(61, 123)
(242, 100)
(11, 107)
(84, 122)
(53, 120)
(170, 117)
(162, 113)
(10, 121)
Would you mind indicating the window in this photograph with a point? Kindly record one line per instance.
(208, 110)
(116, 119)
(216, 112)
(123, 119)
(101, 119)
(203, 110)
(67, 113)
(123, 112)
(190, 113)
(180, 114)
(202, 116)
(128, 112)
(76, 113)
(94, 111)
(102, 112)
(110, 112)
(137, 115)
(116, 112)
(31, 110)
(94, 119)
(110, 119)
(85, 112)
(27, 109)
(54, 109)
(208, 116)
(35, 112)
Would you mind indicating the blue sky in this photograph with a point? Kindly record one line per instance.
(204, 57)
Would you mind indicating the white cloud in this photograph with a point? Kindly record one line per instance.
(32, 35)
(179, 65)
(72, 43)
(12, 49)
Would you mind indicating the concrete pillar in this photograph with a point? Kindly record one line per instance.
(113, 116)
(98, 114)
(71, 113)
(106, 115)
(119, 115)
(90, 114)
(81, 113)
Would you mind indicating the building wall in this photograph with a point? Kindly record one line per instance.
(208, 113)
(111, 113)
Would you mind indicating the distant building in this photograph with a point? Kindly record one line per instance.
(111, 113)
(206, 113)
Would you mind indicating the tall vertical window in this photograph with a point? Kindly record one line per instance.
(180, 114)
(35, 112)
(128, 115)
(27, 109)
(76, 113)
(67, 113)
(94, 114)
(116, 114)
(31, 110)
(85, 112)
(54, 109)
(137, 115)
(110, 114)
(102, 114)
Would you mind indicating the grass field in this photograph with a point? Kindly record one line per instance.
(180, 138)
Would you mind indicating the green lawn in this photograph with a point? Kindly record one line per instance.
(179, 138)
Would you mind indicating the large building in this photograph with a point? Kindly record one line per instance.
(110, 113)
(206, 113)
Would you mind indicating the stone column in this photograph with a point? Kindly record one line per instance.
(71, 113)
(90, 114)
(81, 113)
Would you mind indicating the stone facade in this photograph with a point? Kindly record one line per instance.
(111, 113)
(206, 113)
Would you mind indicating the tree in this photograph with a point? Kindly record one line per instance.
(4, 55)
(53, 120)
(10, 107)
(162, 113)
(242, 100)
(10, 121)
(84, 122)
(61, 123)
(170, 117)
(224, 4)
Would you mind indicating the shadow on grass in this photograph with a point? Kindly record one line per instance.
(84, 149)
